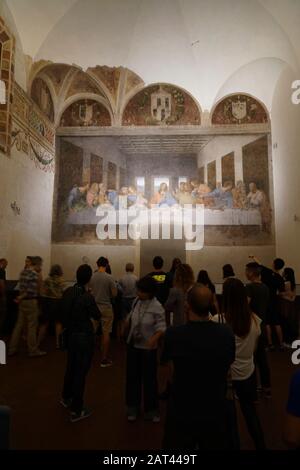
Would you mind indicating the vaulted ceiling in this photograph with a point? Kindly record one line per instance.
(204, 46)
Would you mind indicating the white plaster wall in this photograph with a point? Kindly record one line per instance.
(196, 44)
(212, 258)
(71, 256)
(30, 232)
(285, 118)
(266, 72)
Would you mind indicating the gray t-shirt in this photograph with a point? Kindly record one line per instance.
(102, 285)
(128, 285)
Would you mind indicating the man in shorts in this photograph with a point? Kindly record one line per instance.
(104, 288)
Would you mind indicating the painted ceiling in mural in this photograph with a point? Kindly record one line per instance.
(57, 74)
(132, 81)
(82, 83)
(161, 104)
(109, 76)
(239, 109)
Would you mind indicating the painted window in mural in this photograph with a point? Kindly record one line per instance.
(140, 184)
(235, 190)
(182, 179)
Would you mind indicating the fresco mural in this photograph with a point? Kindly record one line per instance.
(82, 83)
(57, 74)
(7, 65)
(237, 208)
(132, 81)
(239, 109)
(32, 133)
(85, 113)
(161, 104)
(110, 76)
(41, 95)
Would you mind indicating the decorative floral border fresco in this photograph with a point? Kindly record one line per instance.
(7, 43)
(32, 132)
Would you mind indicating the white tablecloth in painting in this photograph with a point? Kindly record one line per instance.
(211, 217)
(232, 217)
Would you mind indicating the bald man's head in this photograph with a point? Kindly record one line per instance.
(199, 299)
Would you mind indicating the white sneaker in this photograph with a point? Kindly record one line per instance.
(85, 413)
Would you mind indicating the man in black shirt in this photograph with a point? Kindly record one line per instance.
(275, 283)
(201, 352)
(3, 265)
(79, 312)
(160, 277)
(258, 296)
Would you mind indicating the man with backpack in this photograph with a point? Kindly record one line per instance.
(80, 314)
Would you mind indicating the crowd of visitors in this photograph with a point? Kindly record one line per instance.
(212, 353)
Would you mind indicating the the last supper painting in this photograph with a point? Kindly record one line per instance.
(229, 176)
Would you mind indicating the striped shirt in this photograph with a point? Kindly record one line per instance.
(29, 283)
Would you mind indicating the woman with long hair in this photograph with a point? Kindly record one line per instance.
(176, 305)
(246, 328)
(183, 280)
(170, 275)
(288, 312)
(204, 279)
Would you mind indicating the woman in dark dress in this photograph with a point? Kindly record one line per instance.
(203, 278)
